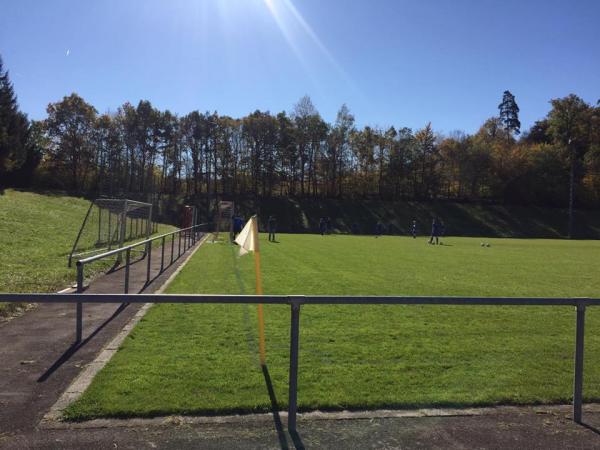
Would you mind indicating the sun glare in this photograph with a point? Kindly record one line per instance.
(288, 18)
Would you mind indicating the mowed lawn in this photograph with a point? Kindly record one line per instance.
(203, 359)
(37, 231)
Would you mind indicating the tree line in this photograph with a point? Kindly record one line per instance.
(141, 149)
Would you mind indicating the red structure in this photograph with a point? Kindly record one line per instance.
(187, 216)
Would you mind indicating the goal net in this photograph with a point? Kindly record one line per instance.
(224, 219)
(110, 223)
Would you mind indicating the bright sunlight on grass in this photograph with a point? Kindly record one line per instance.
(189, 359)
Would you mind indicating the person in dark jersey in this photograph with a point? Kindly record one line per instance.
(413, 229)
(435, 232)
(272, 227)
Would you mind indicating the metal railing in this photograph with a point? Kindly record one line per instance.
(295, 302)
(186, 238)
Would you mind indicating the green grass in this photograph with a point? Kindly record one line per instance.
(37, 233)
(190, 359)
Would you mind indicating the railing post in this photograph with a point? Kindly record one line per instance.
(172, 246)
(127, 262)
(79, 311)
(179, 246)
(578, 378)
(293, 376)
(162, 255)
(149, 253)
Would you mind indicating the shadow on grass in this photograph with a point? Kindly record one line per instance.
(78, 345)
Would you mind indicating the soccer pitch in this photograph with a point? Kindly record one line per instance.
(203, 359)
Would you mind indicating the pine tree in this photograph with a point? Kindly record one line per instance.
(14, 131)
(509, 114)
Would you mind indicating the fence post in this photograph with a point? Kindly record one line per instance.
(578, 379)
(293, 381)
(149, 253)
(79, 314)
(127, 262)
(179, 246)
(162, 255)
(172, 246)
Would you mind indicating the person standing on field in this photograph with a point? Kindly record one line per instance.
(413, 229)
(435, 232)
(272, 227)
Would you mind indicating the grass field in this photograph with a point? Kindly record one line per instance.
(37, 232)
(189, 359)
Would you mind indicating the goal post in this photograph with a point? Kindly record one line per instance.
(224, 219)
(109, 223)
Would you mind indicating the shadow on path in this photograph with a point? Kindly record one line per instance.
(591, 428)
(275, 409)
(77, 345)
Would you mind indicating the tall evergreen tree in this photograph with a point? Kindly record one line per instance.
(509, 114)
(14, 131)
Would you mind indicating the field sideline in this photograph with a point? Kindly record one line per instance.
(202, 359)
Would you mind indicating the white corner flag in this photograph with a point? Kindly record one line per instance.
(248, 237)
(248, 242)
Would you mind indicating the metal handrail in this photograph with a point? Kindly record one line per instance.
(135, 244)
(296, 301)
(190, 236)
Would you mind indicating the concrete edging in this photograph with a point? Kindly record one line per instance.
(85, 378)
(165, 421)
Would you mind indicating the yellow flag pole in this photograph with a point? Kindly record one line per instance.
(259, 291)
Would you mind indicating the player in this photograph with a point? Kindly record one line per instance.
(435, 232)
(272, 227)
(413, 229)
(238, 224)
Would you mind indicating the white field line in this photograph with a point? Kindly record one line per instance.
(85, 378)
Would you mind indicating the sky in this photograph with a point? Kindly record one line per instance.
(393, 62)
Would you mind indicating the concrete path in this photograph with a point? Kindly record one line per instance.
(525, 430)
(38, 357)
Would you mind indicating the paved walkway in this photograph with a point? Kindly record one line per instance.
(38, 357)
(525, 430)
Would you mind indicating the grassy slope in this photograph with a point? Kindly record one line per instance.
(37, 232)
(203, 358)
(462, 219)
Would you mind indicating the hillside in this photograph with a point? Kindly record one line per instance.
(36, 235)
(461, 219)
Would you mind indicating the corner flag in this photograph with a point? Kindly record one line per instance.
(248, 237)
(248, 242)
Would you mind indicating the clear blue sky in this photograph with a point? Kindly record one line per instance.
(394, 62)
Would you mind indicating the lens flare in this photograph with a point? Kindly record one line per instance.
(287, 17)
